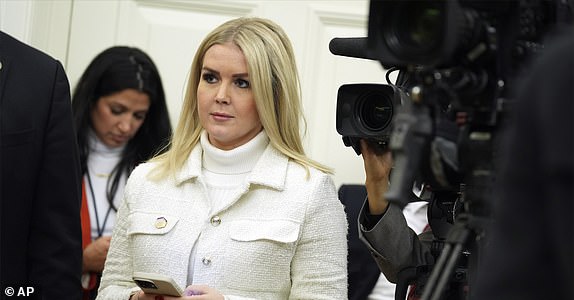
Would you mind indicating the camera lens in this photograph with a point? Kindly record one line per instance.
(425, 28)
(415, 28)
(375, 110)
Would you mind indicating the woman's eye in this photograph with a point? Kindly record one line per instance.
(139, 116)
(209, 78)
(242, 83)
(116, 110)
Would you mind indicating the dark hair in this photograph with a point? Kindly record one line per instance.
(113, 70)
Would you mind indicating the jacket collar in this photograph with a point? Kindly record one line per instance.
(270, 170)
(4, 60)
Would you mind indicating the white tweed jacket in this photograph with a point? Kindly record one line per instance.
(282, 237)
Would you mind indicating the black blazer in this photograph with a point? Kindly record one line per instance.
(363, 271)
(40, 187)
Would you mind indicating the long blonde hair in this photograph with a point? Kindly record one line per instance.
(274, 82)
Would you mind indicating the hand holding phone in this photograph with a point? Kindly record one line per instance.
(152, 283)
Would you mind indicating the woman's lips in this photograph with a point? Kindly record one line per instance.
(120, 139)
(221, 116)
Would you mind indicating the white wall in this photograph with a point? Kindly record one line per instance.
(43, 24)
(15, 18)
(74, 31)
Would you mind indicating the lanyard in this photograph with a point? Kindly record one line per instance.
(98, 228)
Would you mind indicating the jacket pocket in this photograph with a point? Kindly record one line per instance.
(260, 254)
(282, 231)
(153, 235)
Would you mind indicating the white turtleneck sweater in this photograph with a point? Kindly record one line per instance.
(225, 170)
(101, 161)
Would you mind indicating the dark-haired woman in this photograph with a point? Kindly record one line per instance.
(121, 119)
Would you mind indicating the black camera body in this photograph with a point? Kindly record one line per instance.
(462, 59)
(463, 53)
(366, 111)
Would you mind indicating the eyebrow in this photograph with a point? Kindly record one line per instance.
(238, 75)
(125, 107)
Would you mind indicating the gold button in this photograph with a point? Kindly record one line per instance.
(160, 223)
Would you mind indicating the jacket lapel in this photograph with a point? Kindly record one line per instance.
(4, 66)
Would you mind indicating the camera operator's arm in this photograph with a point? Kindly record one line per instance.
(383, 227)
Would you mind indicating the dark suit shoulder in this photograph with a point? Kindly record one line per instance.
(18, 52)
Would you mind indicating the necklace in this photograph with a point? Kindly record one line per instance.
(99, 228)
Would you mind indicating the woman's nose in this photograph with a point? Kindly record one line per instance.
(125, 125)
(222, 97)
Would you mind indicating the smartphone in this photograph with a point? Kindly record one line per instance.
(158, 284)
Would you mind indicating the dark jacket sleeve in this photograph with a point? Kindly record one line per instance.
(55, 236)
(393, 245)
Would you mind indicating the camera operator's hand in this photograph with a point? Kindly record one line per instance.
(377, 170)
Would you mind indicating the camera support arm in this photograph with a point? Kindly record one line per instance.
(409, 143)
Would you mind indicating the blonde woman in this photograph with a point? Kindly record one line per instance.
(234, 209)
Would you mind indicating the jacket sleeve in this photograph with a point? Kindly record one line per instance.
(319, 266)
(55, 237)
(116, 282)
(393, 244)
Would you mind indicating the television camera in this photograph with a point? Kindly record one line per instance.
(458, 62)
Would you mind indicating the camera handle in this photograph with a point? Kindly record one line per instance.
(410, 139)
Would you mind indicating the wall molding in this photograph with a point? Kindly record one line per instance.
(348, 18)
(232, 8)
